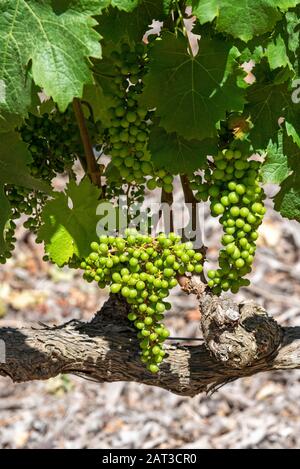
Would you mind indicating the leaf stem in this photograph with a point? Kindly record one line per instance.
(92, 168)
(184, 30)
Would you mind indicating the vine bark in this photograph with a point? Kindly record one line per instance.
(239, 341)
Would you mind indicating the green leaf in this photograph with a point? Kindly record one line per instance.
(100, 103)
(14, 158)
(292, 30)
(69, 230)
(292, 121)
(189, 93)
(56, 46)
(243, 19)
(291, 132)
(266, 104)
(276, 166)
(126, 5)
(115, 25)
(180, 156)
(276, 54)
(287, 201)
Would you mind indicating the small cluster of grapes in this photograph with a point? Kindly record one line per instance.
(54, 142)
(200, 187)
(128, 135)
(143, 270)
(161, 178)
(10, 240)
(233, 186)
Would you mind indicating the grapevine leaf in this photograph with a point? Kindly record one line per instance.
(69, 231)
(292, 121)
(287, 201)
(276, 54)
(14, 159)
(267, 102)
(291, 132)
(100, 103)
(276, 167)
(126, 5)
(190, 93)
(180, 156)
(292, 30)
(56, 46)
(88, 7)
(115, 25)
(244, 19)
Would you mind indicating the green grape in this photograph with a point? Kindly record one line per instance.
(145, 290)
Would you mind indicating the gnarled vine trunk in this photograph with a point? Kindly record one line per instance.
(239, 340)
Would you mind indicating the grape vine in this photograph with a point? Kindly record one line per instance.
(137, 109)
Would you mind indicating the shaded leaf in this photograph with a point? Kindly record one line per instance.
(115, 25)
(180, 156)
(14, 158)
(189, 93)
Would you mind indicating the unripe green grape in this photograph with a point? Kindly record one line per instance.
(226, 239)
(239, 222)
(153, 368)
(235, 211)
(218, 209)
(233, 197)
(239, 263)
(218, 174)
(213, 191)
(225, 201)
(168, 188)
(115, 287)
(230, 248)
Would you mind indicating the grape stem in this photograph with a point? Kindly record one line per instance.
(189, 199)
(167, 198)
(93, 170)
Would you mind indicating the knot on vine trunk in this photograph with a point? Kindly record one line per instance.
(114, 311)
(238, 334)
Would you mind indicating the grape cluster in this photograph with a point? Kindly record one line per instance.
(161, 178)
(53, 142)
(127, 137)
(9, 240)
(233, 186)
(142, 270)
(200, 187)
